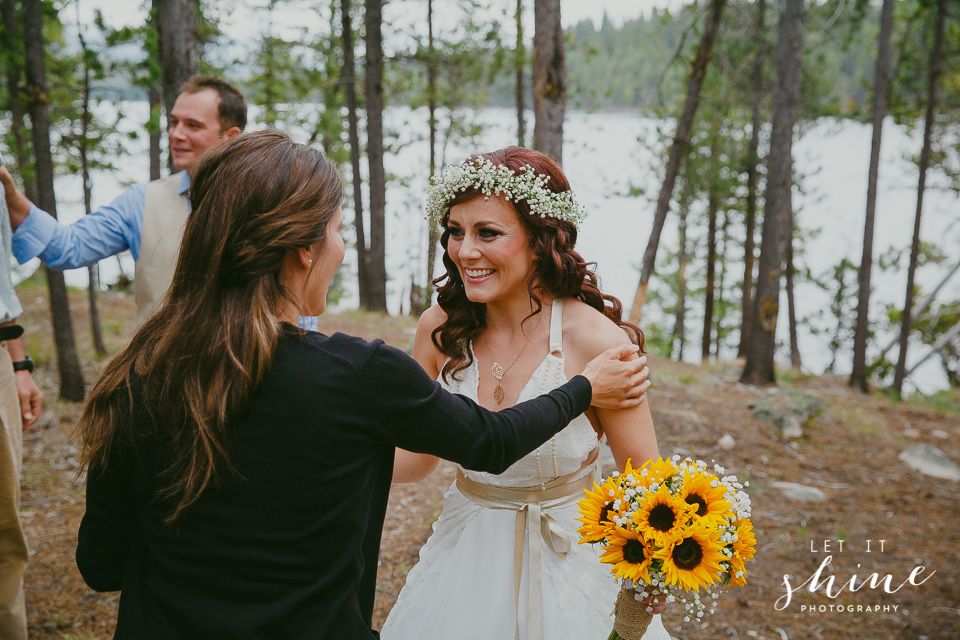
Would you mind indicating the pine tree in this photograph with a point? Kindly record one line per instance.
(71, 376)
(176, 22)
(935, 70)
(881, 94)
(753, 174)
(350, 88)
(698, 69)
(89, 58)
(778, 212)
(549, 79)
(373, 85)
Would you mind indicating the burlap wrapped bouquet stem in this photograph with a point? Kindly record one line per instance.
(631, 617)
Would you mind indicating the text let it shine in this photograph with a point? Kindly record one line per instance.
(817, 581)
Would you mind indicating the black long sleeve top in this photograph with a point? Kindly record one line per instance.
(287, 546)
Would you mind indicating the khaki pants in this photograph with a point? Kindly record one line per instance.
(13, 547)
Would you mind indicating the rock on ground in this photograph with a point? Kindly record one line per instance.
(800, 492)
(930, 461)
(789, 410)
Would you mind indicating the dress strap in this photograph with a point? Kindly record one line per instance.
(556, 327)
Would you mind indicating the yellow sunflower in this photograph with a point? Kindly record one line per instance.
(630, 475)
(597, 510)
(657, 471)
(708, 501)
(738, 575)
(743, 549)
(693, 560)
(628, 554)
(745, 545)
(662, 517)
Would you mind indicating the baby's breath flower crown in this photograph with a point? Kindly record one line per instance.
(499, 180)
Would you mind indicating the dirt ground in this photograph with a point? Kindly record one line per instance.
(849, 452)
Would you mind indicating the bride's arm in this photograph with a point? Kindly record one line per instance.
(629, 431)
(409, 466)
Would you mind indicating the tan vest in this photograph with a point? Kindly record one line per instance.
(164, 217)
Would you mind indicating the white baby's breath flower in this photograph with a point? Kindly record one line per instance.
(491, 179)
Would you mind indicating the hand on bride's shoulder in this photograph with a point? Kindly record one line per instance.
(587, 333)
(630, 433)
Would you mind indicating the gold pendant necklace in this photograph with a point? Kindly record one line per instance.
(498, 370)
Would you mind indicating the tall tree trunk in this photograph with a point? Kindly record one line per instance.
(153, 127)
(698, 69)
(374, 93)
(13, 50)
(795, 361)
(270, 96)
(713, 205)
(154, 97)
(329, 131)
(71, 376)
(350, 85)
(176, 22)
(722, 258)
(881, 94)
(519, 56)
(777, 219)
(92, 270)
(753, 177)
(549, 79)
(936, 67)
(679, 328)
(420, 303)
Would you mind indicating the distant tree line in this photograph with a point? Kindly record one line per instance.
(743, 79)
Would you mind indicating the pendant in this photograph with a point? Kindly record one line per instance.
(497, 370)
(498, 394)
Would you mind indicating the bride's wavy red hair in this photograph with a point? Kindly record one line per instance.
(560, 272)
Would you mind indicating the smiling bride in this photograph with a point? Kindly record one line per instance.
(518, 313)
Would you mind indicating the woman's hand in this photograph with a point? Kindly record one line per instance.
(18, 206)
(656, 603)
(618, 382)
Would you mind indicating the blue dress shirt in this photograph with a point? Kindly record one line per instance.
(100, 234)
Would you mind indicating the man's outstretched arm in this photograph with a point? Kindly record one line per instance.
(101, 234)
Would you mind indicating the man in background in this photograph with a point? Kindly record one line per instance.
(147, 219)
(20, 406)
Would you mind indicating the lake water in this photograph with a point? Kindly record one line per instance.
(607, 153)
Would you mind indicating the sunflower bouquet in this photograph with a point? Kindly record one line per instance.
(670, 528)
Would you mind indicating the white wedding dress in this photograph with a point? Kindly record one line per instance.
(463, 587)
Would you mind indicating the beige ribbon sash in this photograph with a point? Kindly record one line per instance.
(532, 505)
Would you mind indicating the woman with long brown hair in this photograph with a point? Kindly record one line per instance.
(238, 467)
(518, 312)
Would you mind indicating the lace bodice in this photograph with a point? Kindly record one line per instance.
(567, 450)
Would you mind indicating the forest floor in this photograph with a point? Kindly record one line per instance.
(849, 452)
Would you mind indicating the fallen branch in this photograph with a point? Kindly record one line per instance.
(33, 503)
(944, 339)
(923, 307)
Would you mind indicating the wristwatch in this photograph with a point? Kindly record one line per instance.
(24, 365)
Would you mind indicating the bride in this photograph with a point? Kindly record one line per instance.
(518, 313)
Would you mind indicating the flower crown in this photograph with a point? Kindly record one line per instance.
(499, 180)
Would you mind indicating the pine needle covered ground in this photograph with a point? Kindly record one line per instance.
(849, 452)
